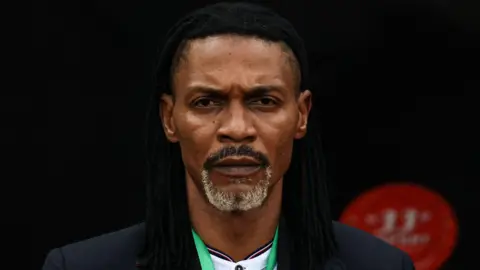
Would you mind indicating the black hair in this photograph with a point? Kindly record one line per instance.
(305, 206)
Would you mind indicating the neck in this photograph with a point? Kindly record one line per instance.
(236, 234)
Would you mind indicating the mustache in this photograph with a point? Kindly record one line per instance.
(236, 151)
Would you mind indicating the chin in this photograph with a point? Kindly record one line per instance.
(236, 197)
(236, 207)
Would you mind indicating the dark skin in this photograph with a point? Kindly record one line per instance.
(233, 90)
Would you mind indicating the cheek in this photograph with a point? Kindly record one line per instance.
(195, 136)
(277, 135)
(283, 158)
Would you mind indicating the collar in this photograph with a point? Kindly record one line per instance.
(283, 254)
(255, 261)
(257, 253)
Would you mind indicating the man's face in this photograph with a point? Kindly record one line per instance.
(235, 114)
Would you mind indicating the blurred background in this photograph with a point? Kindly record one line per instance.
(395, 81)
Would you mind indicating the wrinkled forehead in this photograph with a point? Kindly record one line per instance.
(228, 60)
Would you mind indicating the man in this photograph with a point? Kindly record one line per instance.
(235, 180)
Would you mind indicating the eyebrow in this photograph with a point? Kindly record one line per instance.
(262, 90)
(252, 92)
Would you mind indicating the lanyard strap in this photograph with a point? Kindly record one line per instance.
(206, 261)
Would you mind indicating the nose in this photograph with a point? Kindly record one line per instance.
(236, 126)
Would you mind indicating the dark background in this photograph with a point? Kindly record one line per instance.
(395, 82)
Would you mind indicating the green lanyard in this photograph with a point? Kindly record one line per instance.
(206, 261)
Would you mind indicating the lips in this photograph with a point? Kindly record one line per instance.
(237, 167)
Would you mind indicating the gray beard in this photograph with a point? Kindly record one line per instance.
(236, 201)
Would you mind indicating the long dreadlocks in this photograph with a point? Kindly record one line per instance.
(305, 206)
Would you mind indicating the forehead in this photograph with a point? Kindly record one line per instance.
(228, 60)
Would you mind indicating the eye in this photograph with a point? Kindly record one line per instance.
(265, 101)
(205, 103)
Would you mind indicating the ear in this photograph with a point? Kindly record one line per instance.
(304, 105)
(166, 115)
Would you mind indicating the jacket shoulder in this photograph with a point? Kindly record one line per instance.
(360, 250)
(115, 250)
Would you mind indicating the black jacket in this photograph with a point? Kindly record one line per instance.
(117, 251)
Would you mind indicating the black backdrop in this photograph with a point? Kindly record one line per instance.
(394, 80)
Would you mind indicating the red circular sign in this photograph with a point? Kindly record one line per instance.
(410, 217)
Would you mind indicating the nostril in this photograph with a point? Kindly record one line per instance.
(225, 138)
(230, 139)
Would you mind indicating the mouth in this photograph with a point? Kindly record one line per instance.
(237, 167)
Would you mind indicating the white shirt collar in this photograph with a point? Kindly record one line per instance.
(256, 261)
